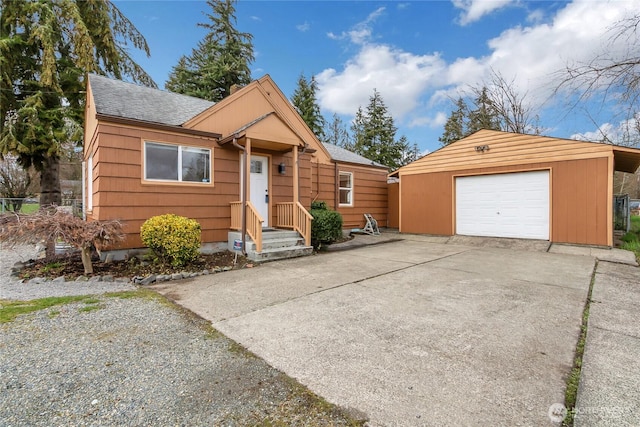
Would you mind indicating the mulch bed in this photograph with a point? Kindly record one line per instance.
(70, 266)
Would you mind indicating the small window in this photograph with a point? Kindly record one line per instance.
(346, 189)
(256, 166)
(165, 162)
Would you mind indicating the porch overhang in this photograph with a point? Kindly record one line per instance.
(626, 159)
(267, 132)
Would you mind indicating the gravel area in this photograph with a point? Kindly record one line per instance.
(140, 361)
(12, 289)
(136, 360)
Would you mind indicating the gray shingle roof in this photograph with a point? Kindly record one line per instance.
(342, 155)
(130, 101)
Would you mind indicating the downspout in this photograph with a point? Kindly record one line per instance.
(243, 198)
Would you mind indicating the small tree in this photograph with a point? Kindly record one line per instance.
(16, 183)
(60, 225)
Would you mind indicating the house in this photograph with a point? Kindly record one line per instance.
(503, 184)
(149, 152)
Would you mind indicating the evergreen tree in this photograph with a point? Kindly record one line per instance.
(484, 115)
(336, 133)
(454, 128)
(374, 134)
(46, 48)
(465, 120)
(306, 104)
(220, 60)
(410, 153)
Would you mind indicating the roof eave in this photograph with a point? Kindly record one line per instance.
(160, 126)
(368, 165)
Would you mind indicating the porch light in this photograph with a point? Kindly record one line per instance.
(282, 168)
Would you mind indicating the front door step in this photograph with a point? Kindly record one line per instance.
(276, 244)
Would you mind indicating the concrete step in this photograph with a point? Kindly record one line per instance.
(277, 243)
(280, 253)
(279, 234)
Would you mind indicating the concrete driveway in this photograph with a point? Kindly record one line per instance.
(412, 332)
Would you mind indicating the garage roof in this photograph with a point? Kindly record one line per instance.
(490, 148)
(626, 159)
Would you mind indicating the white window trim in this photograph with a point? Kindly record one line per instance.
(350, 204)
(180, 148)
(89, 184)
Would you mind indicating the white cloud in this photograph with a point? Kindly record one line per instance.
(474, 10)
(533, 55)
(535, 16)
(362, 31)
(303, 27)
(414, 85)
(433, 122)
(399, 76)
(626, 132)
(255, 18)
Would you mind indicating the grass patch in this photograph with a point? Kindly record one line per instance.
(632, 238)
(9, 310)
(573, 381)
(91, 307)
(28, 208)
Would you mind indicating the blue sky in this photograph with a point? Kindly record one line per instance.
(417, 54)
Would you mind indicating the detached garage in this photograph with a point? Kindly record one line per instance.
(500, 184)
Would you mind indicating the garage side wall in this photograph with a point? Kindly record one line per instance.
(578, 200)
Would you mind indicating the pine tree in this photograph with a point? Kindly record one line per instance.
(305, 102)
(46, 48)
(374, 134)
(336, 133)
(220, 60)
(454, 128)
(484, 115)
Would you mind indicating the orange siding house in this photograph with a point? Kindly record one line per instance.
(501, 184)
(149, 152)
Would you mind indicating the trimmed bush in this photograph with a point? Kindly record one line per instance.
(326, 226)
(172, 238)
(319, 205)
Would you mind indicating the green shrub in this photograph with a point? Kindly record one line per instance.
(326, 226)
(319, 205)
(172, 238)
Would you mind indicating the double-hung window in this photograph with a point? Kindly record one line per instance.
(346, 189)
(167, 162)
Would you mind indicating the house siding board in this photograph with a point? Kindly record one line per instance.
(121, 193)
(369, 196)
(393, 210)
(578, 199)
(324, 184)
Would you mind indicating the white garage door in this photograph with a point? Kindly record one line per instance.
(504, 205)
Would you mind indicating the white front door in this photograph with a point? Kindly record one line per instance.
(259, 186)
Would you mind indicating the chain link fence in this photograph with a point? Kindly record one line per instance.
(32, 204)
